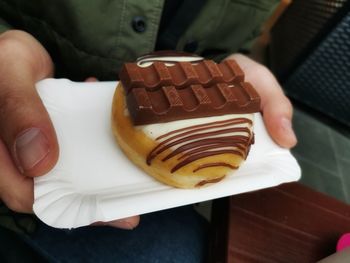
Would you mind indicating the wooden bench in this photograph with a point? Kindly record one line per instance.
(288, 223)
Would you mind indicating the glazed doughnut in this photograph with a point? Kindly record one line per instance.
(185, 121)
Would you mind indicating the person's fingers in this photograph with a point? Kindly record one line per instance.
(91, 79)
(16, 190)
(26, 129)
(277, 113)
(125, 223)
(275, 106)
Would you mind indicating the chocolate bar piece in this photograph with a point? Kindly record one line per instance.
(165, 92)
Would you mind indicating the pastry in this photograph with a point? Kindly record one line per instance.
(184, 120)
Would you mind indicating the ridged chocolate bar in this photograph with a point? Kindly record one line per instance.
(162, 92)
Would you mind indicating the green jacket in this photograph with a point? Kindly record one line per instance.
(93, 38)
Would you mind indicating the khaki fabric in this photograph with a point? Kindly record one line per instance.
(94, 38)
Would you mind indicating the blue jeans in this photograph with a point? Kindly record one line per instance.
(173, 235)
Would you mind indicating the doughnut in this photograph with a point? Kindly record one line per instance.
(186, 121)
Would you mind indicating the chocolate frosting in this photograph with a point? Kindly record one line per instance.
(199, 141)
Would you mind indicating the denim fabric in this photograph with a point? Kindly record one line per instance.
(174, 235)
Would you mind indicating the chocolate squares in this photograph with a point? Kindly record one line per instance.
(163, 92)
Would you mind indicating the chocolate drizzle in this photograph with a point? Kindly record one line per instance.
(199, 141)
(215, 164)
(201, 183)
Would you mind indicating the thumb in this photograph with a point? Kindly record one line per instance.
(26, 129)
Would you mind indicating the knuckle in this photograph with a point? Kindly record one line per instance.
(7, 43)
(10, 101)
(260, 74)
(10, 45)
(262, 71)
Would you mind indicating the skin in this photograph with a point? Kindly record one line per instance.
(24, 61)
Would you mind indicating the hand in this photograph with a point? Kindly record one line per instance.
(275, 106)
(28, 143)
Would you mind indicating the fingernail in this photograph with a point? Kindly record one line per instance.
(287, 129)
(31, 147)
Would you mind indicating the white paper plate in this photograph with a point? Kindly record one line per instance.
(94, 181)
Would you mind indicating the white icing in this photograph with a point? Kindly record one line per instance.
(147, 61)
(155, 130)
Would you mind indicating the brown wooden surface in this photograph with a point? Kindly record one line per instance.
(289, 223)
